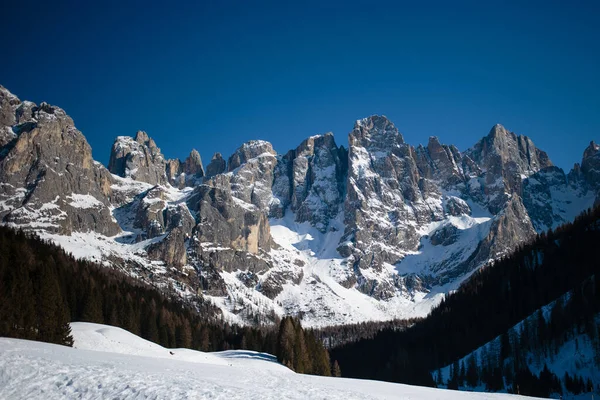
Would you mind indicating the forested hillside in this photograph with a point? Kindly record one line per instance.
(554, 350)
(42, 289)
(491, 302)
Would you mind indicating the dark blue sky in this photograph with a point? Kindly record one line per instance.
(213, 75)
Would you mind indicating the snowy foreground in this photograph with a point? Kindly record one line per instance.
(110, 363)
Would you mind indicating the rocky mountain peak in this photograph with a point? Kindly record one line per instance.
(49, 179)
(142, 138)
(375, 132)
(248, 151)
(591, 150)
(139, 159)
(310, 180)
(590, 165)
(504, 147)
(216, 166)
(187, 173)
(317, 141)
(440, 162)
(193, 164)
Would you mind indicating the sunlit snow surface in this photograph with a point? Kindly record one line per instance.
(320, 298)
(110, 363)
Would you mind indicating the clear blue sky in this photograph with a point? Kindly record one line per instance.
(213, 75)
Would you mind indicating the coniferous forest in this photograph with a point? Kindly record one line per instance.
(560, 266)
(42, 289)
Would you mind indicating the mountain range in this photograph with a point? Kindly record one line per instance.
(371, 230)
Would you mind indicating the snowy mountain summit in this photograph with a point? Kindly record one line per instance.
(377, 230)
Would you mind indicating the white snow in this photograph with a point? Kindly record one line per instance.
(83, 201)
(320, 297)
(111, 363)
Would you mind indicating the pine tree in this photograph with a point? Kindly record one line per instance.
(285, 342)
(183, 334)
(301, 364)
(53, 317)
(471, 374)
(92, 306)
(335, 370)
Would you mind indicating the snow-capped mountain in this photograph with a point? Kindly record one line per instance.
(374, 231)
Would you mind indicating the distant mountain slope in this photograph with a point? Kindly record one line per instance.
(553, 352)
(378, 230)
(562, 264)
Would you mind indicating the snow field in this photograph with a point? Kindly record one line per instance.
(110, 363)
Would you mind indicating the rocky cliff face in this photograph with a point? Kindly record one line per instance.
(309, 181)
(49, 179)
(139, 159)
(378, 230)
(187, 173)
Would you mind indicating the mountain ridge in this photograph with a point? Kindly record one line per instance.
(378, 230)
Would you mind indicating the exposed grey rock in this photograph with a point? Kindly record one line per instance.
(456, 206)
(216, 166)
(383, 197)
(8, 106)
(149, 213)
(590, 165)
(440, 162)
(251, 181)
(174, 171)
(505, 160)
(511, 227)
(248, 151)
(139, 159)
(49, 179)
(273, 285)
(187, 173)
(171, 249)
(538, 199)
(225, 221)
(193, 165)
(444, 236)
(310, 180)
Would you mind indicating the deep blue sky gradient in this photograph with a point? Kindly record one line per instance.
(212, 74)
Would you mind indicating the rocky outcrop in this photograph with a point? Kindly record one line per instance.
(310, 181)
(511, 227)
(225, 220)
(172, 249)
(187, 173)
(590, 165)
(383, 200)
(49, 179)
(443, 163)
(192, 167)
(139, 159)
(505, 160)
(174, 171)
(217, 166)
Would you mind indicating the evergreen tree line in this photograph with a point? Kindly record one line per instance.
(505, 362)
(42, 289)
(301, 351)
(488, 304)
(338, 335)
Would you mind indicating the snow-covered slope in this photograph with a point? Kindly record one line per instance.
(576, 353)
(111, 363)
